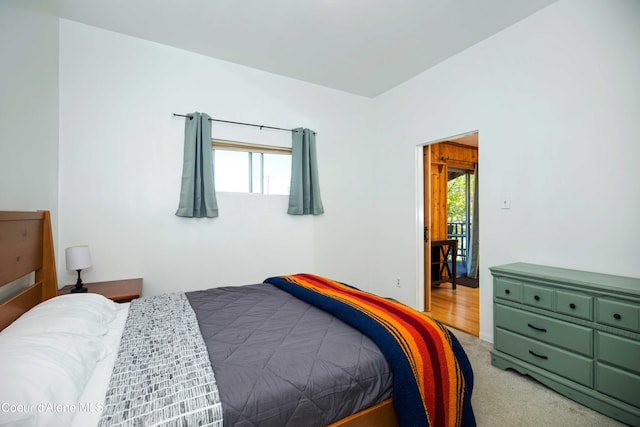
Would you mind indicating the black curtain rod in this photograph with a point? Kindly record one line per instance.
(444, 159)
(237, 123)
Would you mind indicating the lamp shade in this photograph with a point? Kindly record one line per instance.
(78, 257)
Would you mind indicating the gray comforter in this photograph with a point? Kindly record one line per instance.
(279, 361)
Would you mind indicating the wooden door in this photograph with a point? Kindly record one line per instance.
(435, 209)
(426, 177)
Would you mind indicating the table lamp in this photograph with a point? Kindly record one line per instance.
(78, 258)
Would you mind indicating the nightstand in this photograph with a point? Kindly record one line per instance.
(115, 290)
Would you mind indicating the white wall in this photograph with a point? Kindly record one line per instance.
(28, 110)
(556, 100)
(121, 163)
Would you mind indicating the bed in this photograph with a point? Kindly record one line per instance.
(91, 373)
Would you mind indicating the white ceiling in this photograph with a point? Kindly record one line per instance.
(365, 47)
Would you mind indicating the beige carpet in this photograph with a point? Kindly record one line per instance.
(508, 399)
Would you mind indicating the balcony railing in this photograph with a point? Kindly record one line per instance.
(458, 231)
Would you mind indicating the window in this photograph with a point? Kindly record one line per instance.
(251, 168)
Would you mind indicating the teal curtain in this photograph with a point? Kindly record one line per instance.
(304, 195)
(198, 193)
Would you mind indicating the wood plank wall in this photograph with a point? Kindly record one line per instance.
(458, 156)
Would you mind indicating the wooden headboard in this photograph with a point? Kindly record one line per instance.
(26, 246)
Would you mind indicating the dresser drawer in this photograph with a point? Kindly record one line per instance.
(572, 337)
(538, 296)
(617, 313)
(574, 304)
(619, 351)
(619, 384)
(508, 289)
(561, 362)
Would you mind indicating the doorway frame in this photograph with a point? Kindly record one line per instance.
(420, 211)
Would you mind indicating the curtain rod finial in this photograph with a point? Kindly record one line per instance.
(182, 115)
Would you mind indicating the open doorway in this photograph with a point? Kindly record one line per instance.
(460, 218)
(451, 232)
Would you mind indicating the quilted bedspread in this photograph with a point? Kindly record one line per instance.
(281, 362)
(432, 375)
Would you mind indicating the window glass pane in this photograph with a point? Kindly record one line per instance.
(277, 173)
(231, 171)
(242, 172)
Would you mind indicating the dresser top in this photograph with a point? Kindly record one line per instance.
(596, 281)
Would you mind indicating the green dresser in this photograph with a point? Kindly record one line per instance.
(574, 331)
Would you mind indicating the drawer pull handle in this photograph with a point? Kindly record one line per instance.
(507, 291)
(617, 316)
(537, 329)
(538, 355)
(537, 298)
(572, 306)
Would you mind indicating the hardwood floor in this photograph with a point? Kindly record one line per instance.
(457, 308)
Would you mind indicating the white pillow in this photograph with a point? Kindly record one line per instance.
(83, 314)
(103, 308)
(39, 372)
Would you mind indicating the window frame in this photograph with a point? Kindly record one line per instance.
(251, 149)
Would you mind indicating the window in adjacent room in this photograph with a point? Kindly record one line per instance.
(251, 168)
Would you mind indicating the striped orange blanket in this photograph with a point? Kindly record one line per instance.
(432, 374)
